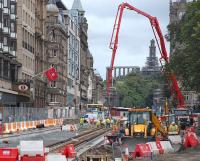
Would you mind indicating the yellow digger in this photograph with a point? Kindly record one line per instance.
(143, 122)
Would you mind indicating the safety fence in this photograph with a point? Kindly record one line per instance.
(25, 125)
(21, 114)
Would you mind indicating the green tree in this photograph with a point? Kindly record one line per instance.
(186, 59)
(137, 90)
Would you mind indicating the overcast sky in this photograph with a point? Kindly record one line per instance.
(135, 34)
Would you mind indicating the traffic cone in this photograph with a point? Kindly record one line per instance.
(126, 155)
(106, 141)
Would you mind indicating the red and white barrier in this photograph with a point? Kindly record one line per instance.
(31, 148)
(9, 154)
(142, 150)
(190, 139)
(32, 151)
(167, 147)
(152, 148)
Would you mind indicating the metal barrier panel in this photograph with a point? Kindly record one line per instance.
(20, 114)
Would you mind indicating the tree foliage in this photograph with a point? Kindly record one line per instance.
(137, 90)
(186, 59)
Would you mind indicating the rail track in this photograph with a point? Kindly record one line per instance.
(77, 140)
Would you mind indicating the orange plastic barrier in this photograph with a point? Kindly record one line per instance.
(21, 126)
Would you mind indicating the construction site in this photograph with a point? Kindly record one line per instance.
(81, 120)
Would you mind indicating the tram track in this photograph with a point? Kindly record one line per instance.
(78, 140)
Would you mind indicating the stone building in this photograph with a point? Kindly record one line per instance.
(26, 43)
(97, 91)
(73, 90)
(26, 36)
(90, 62)
(39, 85)
(10, 95)
(78, 12)
(56, 53)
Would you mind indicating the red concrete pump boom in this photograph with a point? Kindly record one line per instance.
(161, 45)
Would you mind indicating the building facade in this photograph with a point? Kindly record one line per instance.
(90, 62)
(26, 33)
(39, 85)
(56, 53)
(73, 90)
(26, 43)
(79, 14)
(10, 93)
(97, 91)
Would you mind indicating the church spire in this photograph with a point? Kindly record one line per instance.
(77, 5)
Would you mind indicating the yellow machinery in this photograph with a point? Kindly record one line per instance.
(140, 120)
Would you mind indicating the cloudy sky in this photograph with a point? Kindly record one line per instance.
(135, 34)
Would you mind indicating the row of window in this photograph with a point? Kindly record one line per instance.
(28, 62)
(7, 41)
(73, 42)
(28, 41)
(6, 3)
(29, 4)
(8, 23)
(28, 18)
(56, 98)
(7, 70)
(73, 56)
(74, 25)
(4, 71)
(73, 70)
(53, 53)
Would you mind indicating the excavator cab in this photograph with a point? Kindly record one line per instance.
(144, 123)
(138, 121)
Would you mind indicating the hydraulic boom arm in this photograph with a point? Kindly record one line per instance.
(161, 44)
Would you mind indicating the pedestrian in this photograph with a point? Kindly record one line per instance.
(98, 123)
(173, 128)
(81, 121)
(108, 123)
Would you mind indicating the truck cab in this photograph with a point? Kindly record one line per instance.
(183, 117)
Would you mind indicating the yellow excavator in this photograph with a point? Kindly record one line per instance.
(143, 122)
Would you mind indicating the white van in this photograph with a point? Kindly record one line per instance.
(91, 116)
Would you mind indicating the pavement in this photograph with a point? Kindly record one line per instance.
(192, 154)
(49, 137)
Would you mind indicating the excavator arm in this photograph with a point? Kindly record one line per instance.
(161, 45)
(158, 126)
